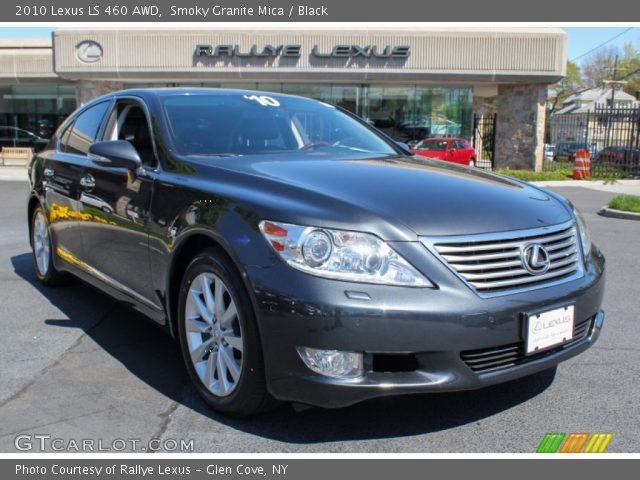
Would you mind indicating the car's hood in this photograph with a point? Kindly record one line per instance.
(430, 152)
(430, 197)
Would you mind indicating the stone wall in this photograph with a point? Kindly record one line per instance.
(87, 90)
(520, 126)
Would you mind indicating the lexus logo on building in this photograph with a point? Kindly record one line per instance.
(535, 259)
(89, 51)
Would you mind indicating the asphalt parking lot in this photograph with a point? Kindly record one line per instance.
(76, 365)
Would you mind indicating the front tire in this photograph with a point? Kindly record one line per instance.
(42, 250)
(219, 337)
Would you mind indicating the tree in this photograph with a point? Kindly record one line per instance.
(600, 66)
(565, 87)
(630, 69)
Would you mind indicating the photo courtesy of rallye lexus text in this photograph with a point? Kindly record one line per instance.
(298, 254)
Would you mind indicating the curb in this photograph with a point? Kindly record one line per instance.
(585, 183)
(612, 213)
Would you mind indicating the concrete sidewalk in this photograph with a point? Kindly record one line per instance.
(13, 174)
(628, 187)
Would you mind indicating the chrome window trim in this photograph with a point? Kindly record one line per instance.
(430, 243)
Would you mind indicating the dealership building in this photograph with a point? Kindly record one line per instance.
(411, 82)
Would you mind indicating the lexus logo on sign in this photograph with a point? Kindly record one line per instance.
(535, 259)
(89, 51)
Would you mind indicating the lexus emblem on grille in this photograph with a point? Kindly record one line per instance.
(535, 259)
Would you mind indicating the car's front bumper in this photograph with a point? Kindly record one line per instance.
(412, 338)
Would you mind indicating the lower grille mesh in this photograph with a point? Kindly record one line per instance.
(505, 356)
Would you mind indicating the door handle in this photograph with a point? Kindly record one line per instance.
(49, 172)
(88, 182)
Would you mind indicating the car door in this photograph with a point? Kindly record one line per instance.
(62, 172)
(117, 202)
(25, 139)
(462, 153)
(451, 151)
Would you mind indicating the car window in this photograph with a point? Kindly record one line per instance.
(247, 124)
(24, 134)
(79, 137)
(64, 136)
(131, 125)
(433, 145)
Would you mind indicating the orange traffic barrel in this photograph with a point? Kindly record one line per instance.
(581, 164)
(586, 159)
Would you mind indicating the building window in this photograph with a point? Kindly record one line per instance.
(38, 109)
(405, 112)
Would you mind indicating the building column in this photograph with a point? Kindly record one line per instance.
(87, 90)
(520, 127)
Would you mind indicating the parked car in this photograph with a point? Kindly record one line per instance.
(432, 126)
(297, 254)
(566, 151)
(456, 150)
(18, 137)
(618, 155)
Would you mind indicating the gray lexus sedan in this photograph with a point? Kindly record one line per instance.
(297, 254)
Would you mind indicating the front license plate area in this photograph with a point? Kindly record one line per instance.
(549, 329)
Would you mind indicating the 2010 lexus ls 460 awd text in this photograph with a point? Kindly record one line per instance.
(298, 254)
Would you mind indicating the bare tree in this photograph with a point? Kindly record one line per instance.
(598, 66)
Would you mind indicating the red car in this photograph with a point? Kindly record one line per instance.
(456, 150)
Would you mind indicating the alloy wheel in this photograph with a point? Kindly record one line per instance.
(41, 244)
(214, 334)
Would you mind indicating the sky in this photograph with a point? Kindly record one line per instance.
(581, 39)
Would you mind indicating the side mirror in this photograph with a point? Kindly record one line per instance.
(403, 146)
(115, 154)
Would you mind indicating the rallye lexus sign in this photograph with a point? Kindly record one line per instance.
(338, 51)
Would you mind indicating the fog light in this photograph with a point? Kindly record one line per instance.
(332, 363)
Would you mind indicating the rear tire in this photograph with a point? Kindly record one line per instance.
(219, 338)
(42, 251)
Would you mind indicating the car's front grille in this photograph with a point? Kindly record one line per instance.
(506, 356)
(493, 263)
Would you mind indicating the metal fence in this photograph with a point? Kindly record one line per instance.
(484, 136)
(612, 137)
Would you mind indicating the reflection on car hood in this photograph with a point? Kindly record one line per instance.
(430, 197)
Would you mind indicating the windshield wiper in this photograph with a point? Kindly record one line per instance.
(354, 149)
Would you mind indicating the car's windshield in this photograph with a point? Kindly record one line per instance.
(434, 145)
(249, 124)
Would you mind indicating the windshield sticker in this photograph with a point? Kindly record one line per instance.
(263, 100)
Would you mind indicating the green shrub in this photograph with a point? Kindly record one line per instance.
(529, 176)
(626, 203)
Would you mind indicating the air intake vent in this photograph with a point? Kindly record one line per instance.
(505, 356)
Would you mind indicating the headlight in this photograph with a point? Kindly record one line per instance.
(341, 255)
(583, 231)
